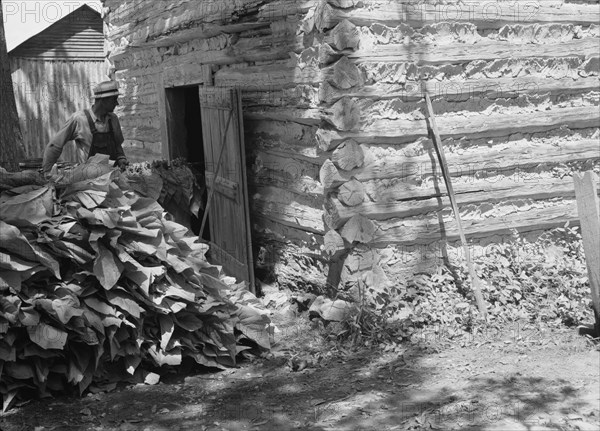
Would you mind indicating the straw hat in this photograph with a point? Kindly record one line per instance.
(106, 89)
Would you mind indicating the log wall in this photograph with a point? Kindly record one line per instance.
(342, 168)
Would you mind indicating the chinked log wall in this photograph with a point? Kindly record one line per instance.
(335, 125)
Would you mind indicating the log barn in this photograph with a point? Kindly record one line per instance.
(53, 73)
(309, 119)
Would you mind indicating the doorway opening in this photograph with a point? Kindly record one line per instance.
(184, 123)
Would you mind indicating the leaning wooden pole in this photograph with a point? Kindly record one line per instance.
(588, 209)
(437, 143)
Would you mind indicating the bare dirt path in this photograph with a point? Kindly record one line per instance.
(518, 380)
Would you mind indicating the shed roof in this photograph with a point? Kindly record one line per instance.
(78, 35)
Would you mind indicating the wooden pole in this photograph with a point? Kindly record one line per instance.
(437, 143)
(588, 209)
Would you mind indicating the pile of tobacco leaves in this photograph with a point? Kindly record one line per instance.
(98, 286)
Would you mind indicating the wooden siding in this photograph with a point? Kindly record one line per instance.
(514, 86)
(78, 35)
(47, 92)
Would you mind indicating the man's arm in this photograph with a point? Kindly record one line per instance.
(118, 134)
(55, 146)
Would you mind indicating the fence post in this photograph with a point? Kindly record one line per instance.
(588, 209)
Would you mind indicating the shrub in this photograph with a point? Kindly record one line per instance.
(543, 282)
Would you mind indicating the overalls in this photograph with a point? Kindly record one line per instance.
(102, 142)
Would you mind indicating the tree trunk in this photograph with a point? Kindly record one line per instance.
(11, 140)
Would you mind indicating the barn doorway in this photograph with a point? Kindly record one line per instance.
(186, 142)
(205, 127)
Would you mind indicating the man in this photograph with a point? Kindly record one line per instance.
(95, 131)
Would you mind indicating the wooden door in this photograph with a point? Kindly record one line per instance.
(224, 153)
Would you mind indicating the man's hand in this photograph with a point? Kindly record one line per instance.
(48, 175)
(122, 163)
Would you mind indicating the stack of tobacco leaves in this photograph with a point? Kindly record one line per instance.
(98, 286)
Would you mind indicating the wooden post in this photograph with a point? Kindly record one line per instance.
(588, 209)
(335, 250)
(162, 114)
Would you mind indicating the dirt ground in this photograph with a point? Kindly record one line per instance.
(520, 379)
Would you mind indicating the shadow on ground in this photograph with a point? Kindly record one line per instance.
(485, 387)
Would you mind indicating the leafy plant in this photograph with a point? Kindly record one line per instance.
(542, 281)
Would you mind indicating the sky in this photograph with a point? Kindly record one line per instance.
(26, 18)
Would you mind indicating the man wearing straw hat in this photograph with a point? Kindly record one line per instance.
(95, 131)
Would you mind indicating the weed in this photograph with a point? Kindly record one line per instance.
(542, 282)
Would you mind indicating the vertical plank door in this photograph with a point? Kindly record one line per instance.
(224, 153)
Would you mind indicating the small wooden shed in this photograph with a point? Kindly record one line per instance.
(336, 156)
(53, 74)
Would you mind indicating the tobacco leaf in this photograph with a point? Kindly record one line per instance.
(74, 251)
(47, 337)
(149, 185)
(99, 183)
(174, 306)
(95, 166)
(10, 279)
(15, 263)
(188, 321)
(9, 308)
(41, 369)
(107, 267)
(16, 243)
(8, 353)
(89, 198)
(37, 204)
(166, 331)
(165, 358)
(20, 371)
(8, 398)
(100, 306)
(33, 350)
(132, 362)
(253, 326)
(66, 307)
(28, 316)
(88, 378)
(125, 303)
(93, 320)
